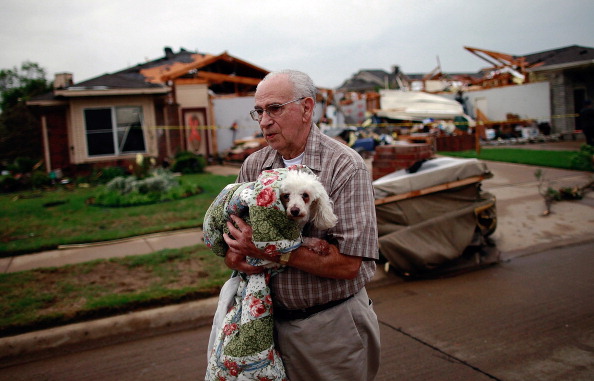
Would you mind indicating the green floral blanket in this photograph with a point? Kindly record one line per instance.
(244, 347)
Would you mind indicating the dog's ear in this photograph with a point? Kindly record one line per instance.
(323, 216)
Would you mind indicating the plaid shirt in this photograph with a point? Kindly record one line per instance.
(347, 180)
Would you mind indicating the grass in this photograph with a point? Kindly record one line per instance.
(43, 220)
(42, 298)
(553, 159)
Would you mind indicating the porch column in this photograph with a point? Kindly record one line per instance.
(46, 147)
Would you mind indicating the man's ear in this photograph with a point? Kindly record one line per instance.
(308, 110)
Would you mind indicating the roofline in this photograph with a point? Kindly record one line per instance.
(73, 92)
(47, 102)
(567, 65)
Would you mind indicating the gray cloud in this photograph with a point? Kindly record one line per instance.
(328, 39)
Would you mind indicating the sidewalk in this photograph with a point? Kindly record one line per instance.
(522, 229)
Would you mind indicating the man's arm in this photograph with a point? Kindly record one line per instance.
(333, 265)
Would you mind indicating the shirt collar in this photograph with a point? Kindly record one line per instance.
(312, 157)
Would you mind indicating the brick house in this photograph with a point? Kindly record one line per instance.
(156, 109)
(570, 73)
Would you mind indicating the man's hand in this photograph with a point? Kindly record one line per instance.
(236, 261)
(240, 247)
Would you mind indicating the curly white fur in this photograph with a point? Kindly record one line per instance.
(305, 200)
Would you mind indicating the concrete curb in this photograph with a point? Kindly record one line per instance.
(535, 249)
(199, 313)
(135, 238)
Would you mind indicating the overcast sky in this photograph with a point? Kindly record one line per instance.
(330, 40)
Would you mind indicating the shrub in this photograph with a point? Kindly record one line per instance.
(130, 191)
(188, 162)
(23, 165)
(8, 184)
(40, 179)
(584, 159)
(107, 174)
(160, 181)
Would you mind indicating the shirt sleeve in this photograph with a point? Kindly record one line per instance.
(356, 232)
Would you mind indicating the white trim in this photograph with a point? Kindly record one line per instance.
(90, 92)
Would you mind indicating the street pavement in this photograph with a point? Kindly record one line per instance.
(529, 315)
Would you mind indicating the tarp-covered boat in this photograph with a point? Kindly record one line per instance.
(428, 220)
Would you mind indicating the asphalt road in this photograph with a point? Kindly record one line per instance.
(530, 318)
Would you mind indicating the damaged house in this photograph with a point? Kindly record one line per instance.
(155, 109)
(547, 87)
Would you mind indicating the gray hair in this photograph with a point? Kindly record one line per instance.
(303, 85)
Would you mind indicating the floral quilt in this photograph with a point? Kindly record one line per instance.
(244, 347)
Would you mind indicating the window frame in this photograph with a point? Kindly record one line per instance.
(116, 128)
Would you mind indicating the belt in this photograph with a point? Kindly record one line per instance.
(303, 313)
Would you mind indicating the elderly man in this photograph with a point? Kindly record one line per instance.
(326, 328)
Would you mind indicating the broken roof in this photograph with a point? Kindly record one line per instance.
(371, 79)
(223, 73)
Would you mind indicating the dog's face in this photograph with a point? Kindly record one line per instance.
(305, 200)
(297, 203)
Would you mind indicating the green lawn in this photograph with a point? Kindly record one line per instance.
(554, 159)
(36, 221)
(42, 298)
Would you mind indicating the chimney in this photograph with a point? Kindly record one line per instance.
(62, 80)
(168, 52)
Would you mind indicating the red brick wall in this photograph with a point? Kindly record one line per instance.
(390, 158)
(455, 143)
(58, 138)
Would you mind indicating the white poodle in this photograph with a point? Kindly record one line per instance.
(305, 200)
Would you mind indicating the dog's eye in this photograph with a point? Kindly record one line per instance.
(305, 197)
(285, 196)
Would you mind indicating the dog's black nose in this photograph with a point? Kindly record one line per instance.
(295, 212)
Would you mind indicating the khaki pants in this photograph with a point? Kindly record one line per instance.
(341, 343)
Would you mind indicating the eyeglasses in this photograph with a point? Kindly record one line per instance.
(274, 110)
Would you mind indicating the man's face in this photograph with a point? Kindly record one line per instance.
(287, 132)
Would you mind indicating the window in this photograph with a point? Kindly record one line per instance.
(114, 131)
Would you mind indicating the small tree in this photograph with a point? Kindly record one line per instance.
(19, 128)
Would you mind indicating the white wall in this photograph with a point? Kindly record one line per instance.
(233, 110)
(530, 101)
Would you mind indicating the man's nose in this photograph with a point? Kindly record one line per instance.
(266, 120)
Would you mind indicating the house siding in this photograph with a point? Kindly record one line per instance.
(191, 96)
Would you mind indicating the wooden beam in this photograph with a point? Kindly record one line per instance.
(190, 81)
(433, 189)
(228, 78)
(178, 69)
